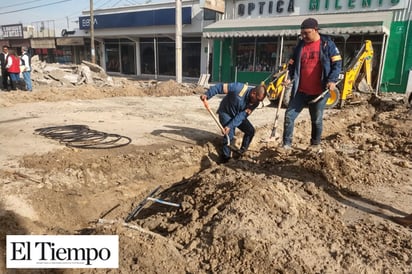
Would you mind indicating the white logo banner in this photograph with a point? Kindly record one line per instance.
(62, 251)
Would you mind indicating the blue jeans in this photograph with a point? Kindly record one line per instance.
(14, 76)
(246, 127)
(27, 80)
(299, 101)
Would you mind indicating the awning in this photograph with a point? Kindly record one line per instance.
(18, 43)
(70, 41)
(332, 24)
(46, 43)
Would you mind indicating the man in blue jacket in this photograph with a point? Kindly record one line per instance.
(315, 66)
(234, 109)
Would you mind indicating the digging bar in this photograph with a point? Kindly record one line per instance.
(163, 202)
(140, 206)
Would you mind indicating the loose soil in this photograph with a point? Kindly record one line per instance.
(271, 211)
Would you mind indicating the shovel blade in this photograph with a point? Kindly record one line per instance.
(272, 138)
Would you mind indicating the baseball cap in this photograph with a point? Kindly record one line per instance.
(309, 23)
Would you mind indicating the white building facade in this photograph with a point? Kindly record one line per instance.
(255, 37)
(140, 40)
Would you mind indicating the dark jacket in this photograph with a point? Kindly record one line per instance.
(3, 61)
(234, 103)
(329, 57)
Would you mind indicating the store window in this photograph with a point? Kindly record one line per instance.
(256, 54)
(120, 56)
(128, 60)
(191, 57)
(147, 56)
(167, 53)
(45, 55)
(112, 58)
(64, 55)
(245, 54)
(266, 52)
(166, 56)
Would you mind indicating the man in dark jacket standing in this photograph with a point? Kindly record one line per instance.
(4, 73)
(314, 67)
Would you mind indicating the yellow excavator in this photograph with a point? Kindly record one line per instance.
(360, 65)
(276, 87)
(349, 79)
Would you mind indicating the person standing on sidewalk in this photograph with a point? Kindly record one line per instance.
(13, 68)
(26, 62)
(4, 73)
(315, 66)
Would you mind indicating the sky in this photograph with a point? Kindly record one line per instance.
(62, 14)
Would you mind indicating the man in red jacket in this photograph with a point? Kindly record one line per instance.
(13, 68)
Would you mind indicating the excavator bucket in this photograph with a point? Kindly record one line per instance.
(333, 99)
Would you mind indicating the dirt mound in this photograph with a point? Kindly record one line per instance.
(123, 87)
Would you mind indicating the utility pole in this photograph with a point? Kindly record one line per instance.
(179, 41)
(92, 33)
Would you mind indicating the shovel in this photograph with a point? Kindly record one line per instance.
(323, 94)
(273, 135)
(206, 104)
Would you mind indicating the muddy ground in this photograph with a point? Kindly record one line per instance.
(268, 212)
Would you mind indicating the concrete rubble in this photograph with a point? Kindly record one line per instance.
(87, 73)
(57, 75)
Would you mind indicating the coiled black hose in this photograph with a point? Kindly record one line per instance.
(81, 136)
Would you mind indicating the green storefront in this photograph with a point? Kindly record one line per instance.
(250, 49)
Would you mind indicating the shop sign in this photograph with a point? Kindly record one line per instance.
(70, 41)
(43, 43)
(302, 7)
(161, 17)
(216, 5)
(12, 31)
(85, 23)
(354, 5)
(259, 8)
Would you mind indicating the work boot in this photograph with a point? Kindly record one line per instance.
(315, 149)
(242, 150)
(284, 149)
(405, 221)
(224, 159)
(239, 153)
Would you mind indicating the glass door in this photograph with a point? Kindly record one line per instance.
(128, 60)
(112, 57)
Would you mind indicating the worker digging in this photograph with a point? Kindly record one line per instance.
(239, 102)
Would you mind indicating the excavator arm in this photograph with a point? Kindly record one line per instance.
(361, 63)
(362, 60)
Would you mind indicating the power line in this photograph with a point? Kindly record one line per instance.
(18, 4)
(39, 6)
(115, 4)
(105, 3)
